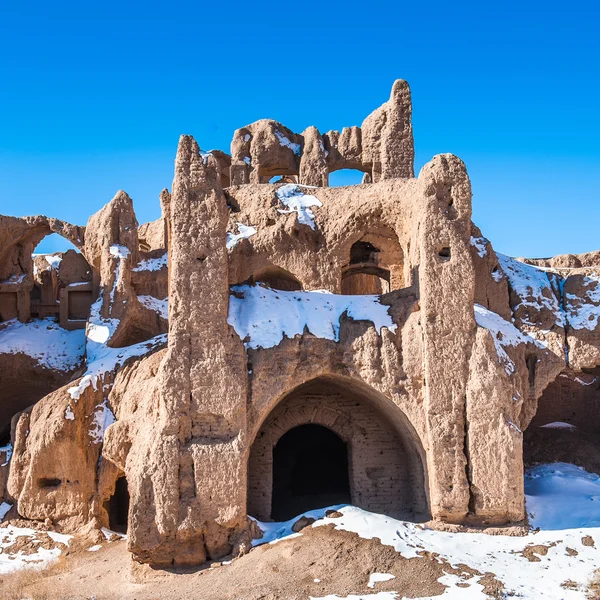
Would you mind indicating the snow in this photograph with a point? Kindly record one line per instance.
(95, 548)
(39, 559)
(532, 286)
(153, 264)
(479, 243)
(284, 141)
(7, 451)
(98, 329)
(69, 414)
(102, 360)
(159, 306)
(53, 261)
(262, 317)
(503, 334)
(584, 312)
(119, 252)
(245, 231)
(247, 160)
(43, 340)
(4, 508)
(109, 533)
(103, 417)
(377, 577)
(14, 279)
(563, 496)
(559, 425)
(563, 501)
(295, 200)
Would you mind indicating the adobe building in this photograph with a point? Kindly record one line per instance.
(361, 344)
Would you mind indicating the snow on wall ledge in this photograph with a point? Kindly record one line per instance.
(503, 334)
(43, 340)
(532, 286)
(262, 317)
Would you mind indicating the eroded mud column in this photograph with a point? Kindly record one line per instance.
(198, 481)
(447, 284)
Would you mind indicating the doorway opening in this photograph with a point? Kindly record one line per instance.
(118, 507)
(310, 470)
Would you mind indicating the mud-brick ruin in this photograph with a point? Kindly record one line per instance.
(272, 344)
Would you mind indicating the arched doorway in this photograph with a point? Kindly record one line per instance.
(373, 445)
(310, 470)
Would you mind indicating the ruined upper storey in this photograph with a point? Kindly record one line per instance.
(382, 148)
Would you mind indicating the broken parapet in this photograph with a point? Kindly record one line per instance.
(383, 148)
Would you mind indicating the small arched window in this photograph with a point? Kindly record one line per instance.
(375, 266)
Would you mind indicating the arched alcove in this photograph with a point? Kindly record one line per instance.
(375, 266)
(566, 426)
(384, 457)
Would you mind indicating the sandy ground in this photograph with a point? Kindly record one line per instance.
(341, 562)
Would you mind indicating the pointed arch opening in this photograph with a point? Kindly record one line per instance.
(327, 429)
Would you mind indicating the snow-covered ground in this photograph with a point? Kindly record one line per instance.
(563, 501)
(43, 340)
(14, 558)
(263, 316)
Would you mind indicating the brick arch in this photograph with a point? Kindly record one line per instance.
(386, 463)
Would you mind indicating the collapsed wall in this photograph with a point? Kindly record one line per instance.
(377, 315)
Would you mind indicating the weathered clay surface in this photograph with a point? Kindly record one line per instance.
(431, 386)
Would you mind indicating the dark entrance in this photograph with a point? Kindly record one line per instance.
(118, 507)
(310, 470)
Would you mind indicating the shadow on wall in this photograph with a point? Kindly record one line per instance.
(566, 425)
(117, 507)
(310, 470)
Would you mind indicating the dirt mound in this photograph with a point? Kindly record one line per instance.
(319, 562)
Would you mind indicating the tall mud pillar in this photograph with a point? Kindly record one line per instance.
(198, 482)
(447, 288)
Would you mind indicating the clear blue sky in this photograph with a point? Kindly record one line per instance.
(95, 95)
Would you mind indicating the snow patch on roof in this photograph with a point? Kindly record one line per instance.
(284, 141)
(43, 340)
(159, 306)
(153, 264)
(479, 243)
(245, 231)
(584, 312)
(102, 360)
(503, 334)
(532, 286)
(262, 317)
(295, 200)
